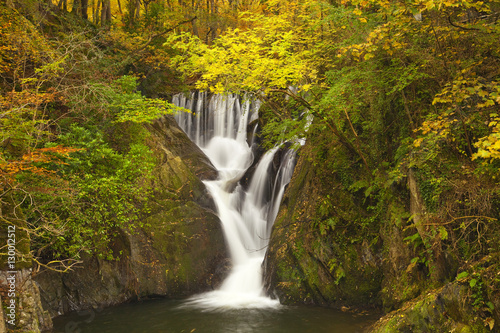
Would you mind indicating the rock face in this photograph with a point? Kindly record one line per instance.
(2, 322)
(438, 311)
(322, 252)
(28, 315)
(175, 252)
(305, 263)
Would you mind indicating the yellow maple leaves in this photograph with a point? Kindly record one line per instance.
(489, 146)
(273, 53)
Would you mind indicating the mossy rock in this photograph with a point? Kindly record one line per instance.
(307, 264)
(177, 250)
(189, 247)
(446, 309)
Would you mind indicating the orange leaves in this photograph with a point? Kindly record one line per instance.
(16, 99)
(8, 169)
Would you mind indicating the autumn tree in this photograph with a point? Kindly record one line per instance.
(57, 148)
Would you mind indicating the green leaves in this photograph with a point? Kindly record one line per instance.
(130, 105)
(104, 191)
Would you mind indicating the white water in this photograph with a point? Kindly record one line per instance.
(219, 128)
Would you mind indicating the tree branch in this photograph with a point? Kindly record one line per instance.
(294, 96)
(459, 26)
(342, 139)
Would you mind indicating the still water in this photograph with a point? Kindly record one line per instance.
(167, 316)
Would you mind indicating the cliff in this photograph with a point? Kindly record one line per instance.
(328, 249)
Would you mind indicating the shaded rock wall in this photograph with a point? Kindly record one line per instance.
(307, 260)
(327, 249)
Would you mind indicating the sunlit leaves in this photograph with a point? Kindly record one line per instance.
(130, 105)
(34, 161)
(489, 146)
(273, 53)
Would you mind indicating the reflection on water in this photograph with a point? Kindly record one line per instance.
(173, 316)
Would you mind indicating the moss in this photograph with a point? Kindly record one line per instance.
(443, 310)
(317, 250)
(189, 238)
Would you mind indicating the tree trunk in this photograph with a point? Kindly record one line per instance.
(106, 13)
(85, 7)
(438, 263)
(120, 7)
(96, 12)
(137, 9)
(103, 12)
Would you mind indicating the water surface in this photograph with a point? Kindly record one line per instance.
(167, 316)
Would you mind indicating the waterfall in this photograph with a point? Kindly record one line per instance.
(219, 128)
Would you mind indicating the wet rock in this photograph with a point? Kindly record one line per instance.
(305, 263)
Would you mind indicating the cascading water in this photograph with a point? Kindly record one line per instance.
(219, 128)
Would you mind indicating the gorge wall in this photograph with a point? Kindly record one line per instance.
(321, 254)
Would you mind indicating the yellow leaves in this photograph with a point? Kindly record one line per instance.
(435, 130)
(488, 147)
(386, 37)
(489, 322)
(218, 88)
(368, 56)
(306, 87)
(9, 168)
(273, 53)
(418, 142)
(357, 11)
(469, 90)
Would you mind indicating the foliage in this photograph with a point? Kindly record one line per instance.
(272, 54)
(391, 87)
(72, 148)
(101, 192)
(488, 146)
(379, 89)
(123, 103)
